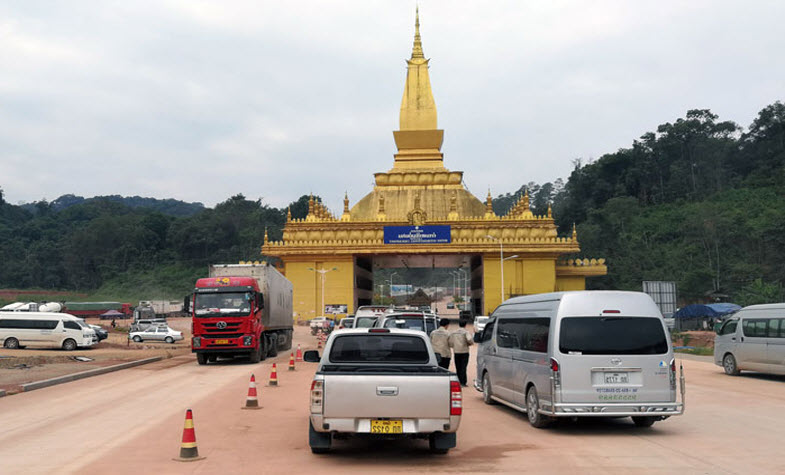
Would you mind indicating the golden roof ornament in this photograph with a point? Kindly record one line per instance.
(453, 214)
(550, 212)
(380, 214)
(417, 216)
(526, 199)
(574, 232)
(346, 214)
(288, 213)
(417, 51)
(265, 235)
(489, 206)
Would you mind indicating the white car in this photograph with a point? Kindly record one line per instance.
(479, 323)
(160, 333)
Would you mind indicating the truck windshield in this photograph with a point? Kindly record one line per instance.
(227, 303)
(379, 348)
(612, 336)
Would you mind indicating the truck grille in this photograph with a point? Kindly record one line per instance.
(230, 327)
(223, 335)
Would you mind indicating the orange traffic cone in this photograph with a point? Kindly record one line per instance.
(319, 345)
(251, 402)
(299, 353)
(273, 377)
(291, 362)
(188, 450)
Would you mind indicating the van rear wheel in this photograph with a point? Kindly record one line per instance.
(11, 343)
(644, 421)
(730, 366)
(532, 410)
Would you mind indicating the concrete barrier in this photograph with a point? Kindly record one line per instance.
(86, 374)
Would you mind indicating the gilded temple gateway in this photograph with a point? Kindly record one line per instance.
(419, 214)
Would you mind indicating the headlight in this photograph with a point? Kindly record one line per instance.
(247, 340)
(197, 342)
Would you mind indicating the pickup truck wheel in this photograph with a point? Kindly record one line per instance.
(201, 358)
(11, 343)
(320, 442)
(434, 443)
(532, 410)
(486, 389)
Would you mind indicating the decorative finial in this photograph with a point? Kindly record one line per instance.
(574, 233)
(288, 214)
(489, 201)
(417, 48)
(310, 204)
(346, 202)
(550, 212)
(526, 199)
(265, 234)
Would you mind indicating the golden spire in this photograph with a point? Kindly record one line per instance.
(526, 199)
(310, 204)
(265, 234)
(417, 47)
(574, 233)
(345, 202)
(550, 212)
(288, 214)
(489, 206)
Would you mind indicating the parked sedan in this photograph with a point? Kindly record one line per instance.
(156, 334)
(100, 332)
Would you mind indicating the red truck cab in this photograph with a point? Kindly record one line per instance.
(227, 318)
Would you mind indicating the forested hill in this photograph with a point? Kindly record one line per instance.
(700, 201)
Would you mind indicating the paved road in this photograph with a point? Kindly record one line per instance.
(132, 421)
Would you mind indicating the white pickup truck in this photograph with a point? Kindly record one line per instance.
(382, 382)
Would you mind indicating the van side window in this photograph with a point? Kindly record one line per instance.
(755, 327)
(507, 334)
(71, 325)
(729, 327)
(535, 334)
(487, 332)
(775, 328)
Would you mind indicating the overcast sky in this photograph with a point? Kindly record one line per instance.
(201, 100)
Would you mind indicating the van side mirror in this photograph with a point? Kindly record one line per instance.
(187, 304)
(259, 301)
(477, 337)
(311, 356)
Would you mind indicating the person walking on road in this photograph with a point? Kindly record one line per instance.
(460, 341)
(440, 339)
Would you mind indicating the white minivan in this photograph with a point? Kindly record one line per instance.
(577, 354)
(44, 329)
(752, 339)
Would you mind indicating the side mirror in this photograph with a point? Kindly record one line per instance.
(312, 356)
(477, 337)
(187, 304)
(259, 301)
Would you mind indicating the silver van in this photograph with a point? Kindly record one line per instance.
(752, 339)
(575, 354)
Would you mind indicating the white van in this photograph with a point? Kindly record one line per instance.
(44, 329)
(752, 339)
(576, 354)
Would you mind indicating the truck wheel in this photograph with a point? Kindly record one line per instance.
(644, 421)
(273, 352)
(258, 353)
(201, 358)
(11, 343)
(288, 344)
(320, 442)
(69, 344)
(532, 410)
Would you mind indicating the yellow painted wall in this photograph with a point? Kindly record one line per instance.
(570, 283)
(521, 277)
(338, 286)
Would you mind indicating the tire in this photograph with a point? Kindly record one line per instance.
(258, 353)
(137, 339)
(273, 350)
(202, 358)
(487, 390)
(69, 344)
(437, 442)
(288, 344)
(12, 343)
(644, 421)
(169, 340)
(536, 419)
(729, 365)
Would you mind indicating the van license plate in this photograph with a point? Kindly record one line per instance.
(221, 342)
(617, 378)
(386, 427)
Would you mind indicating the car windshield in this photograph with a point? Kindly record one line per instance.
(612, 336)
(372, 348)
(227, 303)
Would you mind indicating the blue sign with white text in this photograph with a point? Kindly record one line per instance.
(417, 235)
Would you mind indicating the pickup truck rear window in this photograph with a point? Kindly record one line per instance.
(408, 323)
(374, 348)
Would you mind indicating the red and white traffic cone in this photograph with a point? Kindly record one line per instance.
(188, 450)
(299, 353)
(319, 344)
(291, 362)
(251, 401)
(273, 377)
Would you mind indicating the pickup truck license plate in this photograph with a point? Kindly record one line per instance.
(617, 378)
(386, 427)
(221, 342)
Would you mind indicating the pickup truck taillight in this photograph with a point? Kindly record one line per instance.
(456, 399)
(317, 396)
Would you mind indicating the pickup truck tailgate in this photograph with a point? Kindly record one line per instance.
(374, 396)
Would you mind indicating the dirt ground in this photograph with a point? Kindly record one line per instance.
(27, 365)
(698, 339)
